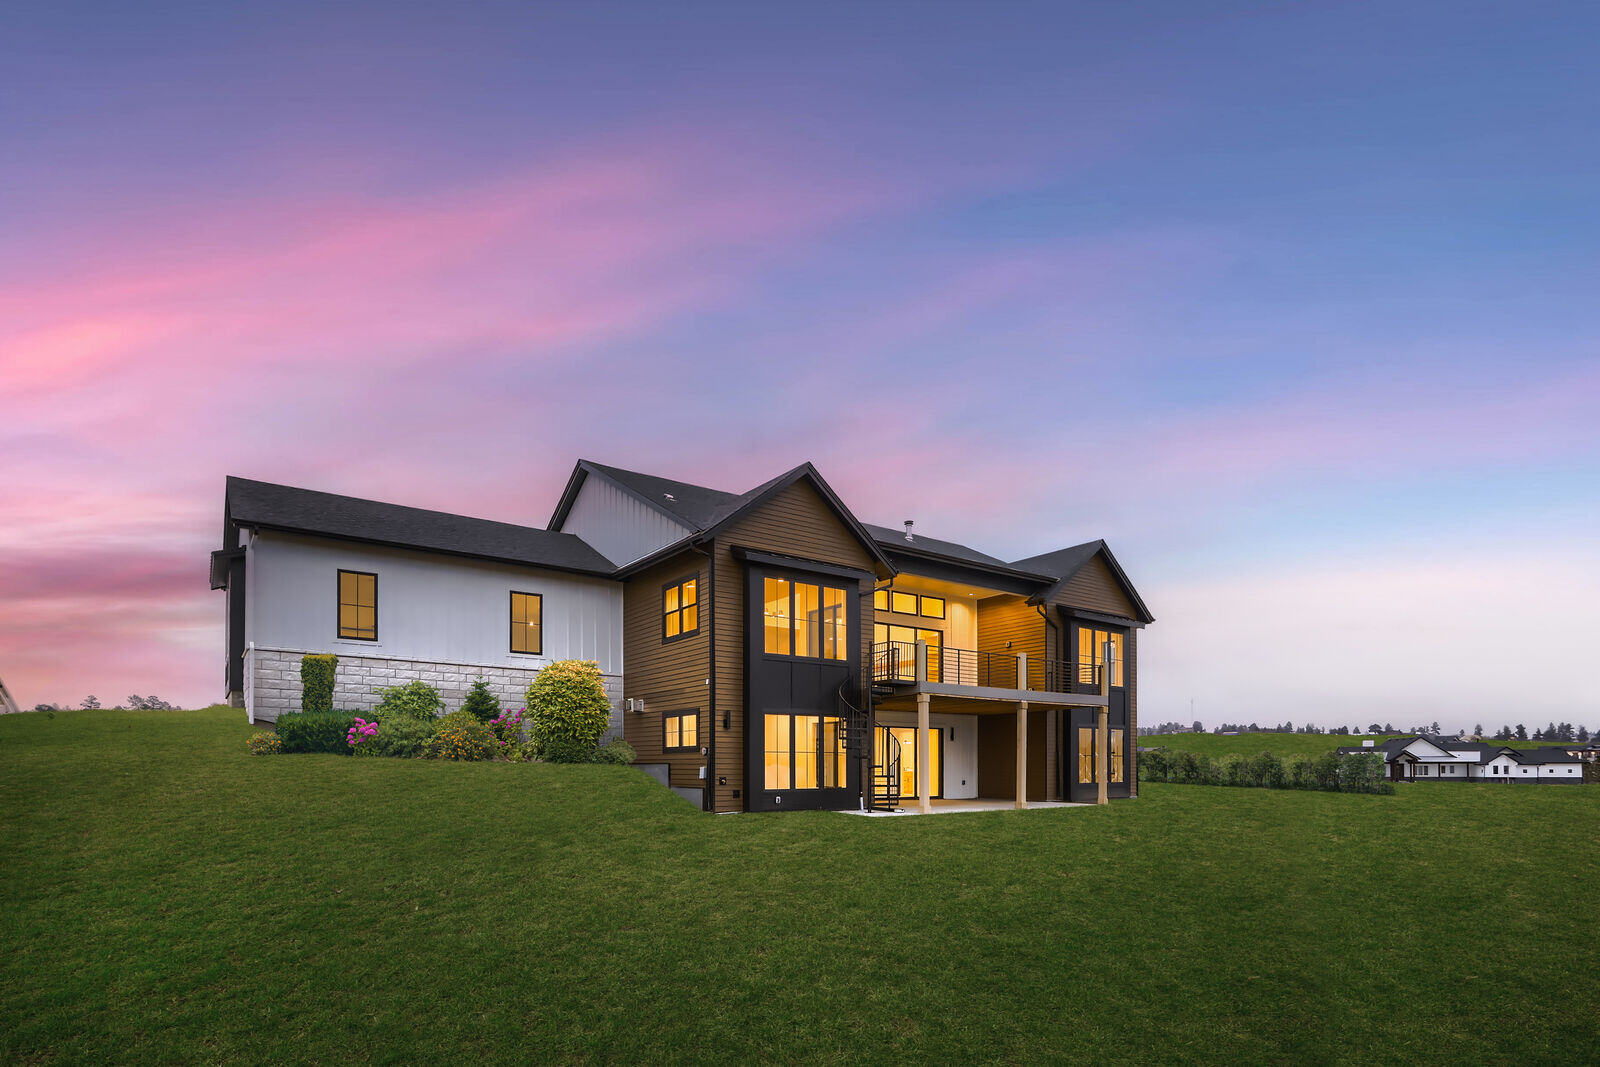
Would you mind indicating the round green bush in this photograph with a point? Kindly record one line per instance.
(567, 704)
(414, 700)
(400, 738)
(460, 736)
(566, 750)
(618, 752)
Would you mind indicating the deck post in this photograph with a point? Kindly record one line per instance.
(924, 747)
(1022, 753)
(1102, 746)
(1022, 670)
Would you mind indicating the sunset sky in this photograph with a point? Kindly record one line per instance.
(1298, 305)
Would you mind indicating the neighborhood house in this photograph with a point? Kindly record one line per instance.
(1424, 759)
(767, 650)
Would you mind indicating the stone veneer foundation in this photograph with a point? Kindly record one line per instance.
(272, 683)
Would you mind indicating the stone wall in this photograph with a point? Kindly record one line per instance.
(273, 683)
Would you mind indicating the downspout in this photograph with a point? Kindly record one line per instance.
(708, 800)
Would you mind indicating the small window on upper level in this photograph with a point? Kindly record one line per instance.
(680, 730)
(680, 608)
(527, 623)
(903, 603)
(933, 607)
(358, 605)
(880, 600)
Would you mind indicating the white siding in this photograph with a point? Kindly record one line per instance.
(430, 607)
(960, 754)
(616, 524)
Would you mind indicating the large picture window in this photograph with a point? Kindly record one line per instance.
(804, 619)
(680, 608)
(681, 730)
(804, 752)
(358, 605)
(527, 623)
(1092, 655)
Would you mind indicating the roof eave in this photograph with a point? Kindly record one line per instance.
(589, 572)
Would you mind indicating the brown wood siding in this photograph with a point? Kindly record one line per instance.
(1095, 588)
(670, 676)
(1009, 624)
(997, 756)
(795, 522)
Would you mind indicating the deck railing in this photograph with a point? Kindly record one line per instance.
(895, 663)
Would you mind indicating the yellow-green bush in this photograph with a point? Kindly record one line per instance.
(568, 707)
(461, 736)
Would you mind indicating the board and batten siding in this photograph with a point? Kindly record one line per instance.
(669, 676)
(617, 524)
(795, 522)
(431, 607)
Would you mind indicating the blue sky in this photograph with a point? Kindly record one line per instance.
(1295, 304)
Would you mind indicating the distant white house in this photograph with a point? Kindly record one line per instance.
(1423, 759)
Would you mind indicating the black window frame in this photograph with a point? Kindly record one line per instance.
(679, 584)
(338, 604)
(511, 623)
(693, 715)
(793, 581)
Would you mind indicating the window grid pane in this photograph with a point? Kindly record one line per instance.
(776, 591)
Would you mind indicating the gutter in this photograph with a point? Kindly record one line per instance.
(708, 799)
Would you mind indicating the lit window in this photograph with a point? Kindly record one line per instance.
(358, 605)
(805, 619)
(1092, 655)
(1116, 755)
(880, 600)
(527, 623)
(680, 608)
(933, 607)
(804, 752)
(904, 603)
(682, 730)
(1086, 754)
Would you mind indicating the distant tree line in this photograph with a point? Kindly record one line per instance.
(1560, 733)
(135, 703)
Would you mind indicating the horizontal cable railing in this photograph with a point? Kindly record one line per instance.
(895, 662)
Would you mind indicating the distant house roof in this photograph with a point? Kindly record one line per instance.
(282, 507)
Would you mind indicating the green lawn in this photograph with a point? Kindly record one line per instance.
(168, 897)
(1285, 746)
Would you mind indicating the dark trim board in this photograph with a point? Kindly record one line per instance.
(796, 563)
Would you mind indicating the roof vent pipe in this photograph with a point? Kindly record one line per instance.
(910, 523)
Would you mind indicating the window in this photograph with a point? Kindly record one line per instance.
(880, 600)
(1116, 755)
(933, 607)
(680, 608)
(1086, 754)
(358, 605)
(527, 623)
(804, 752)
(909, 760)
(904, 639)
(681, 731)
(903, 603)
(804, 619)
(1092, 655)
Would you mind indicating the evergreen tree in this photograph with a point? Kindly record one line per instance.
(1477, 731)
(480, 703)
(1583, 733)
(1522, 732)
(90, 702)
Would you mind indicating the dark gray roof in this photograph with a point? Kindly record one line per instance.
(696, 506)
(889, 537)
(1544, 754)
(1062, 562)
(283, 507)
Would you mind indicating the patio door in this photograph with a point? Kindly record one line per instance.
(907, 736)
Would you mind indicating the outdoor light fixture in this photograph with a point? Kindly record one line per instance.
(727, 720)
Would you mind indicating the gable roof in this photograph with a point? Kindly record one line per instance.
(707, 511)
(889, 537)
(282, 507)
(1063, 563)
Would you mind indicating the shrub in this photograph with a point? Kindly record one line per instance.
(508, 734)
(568, 705)
(460, 736)
(1300, 774)
(265, 743)
(414, 700)
(321, 731)
(618, 752)
(481, 703)
(361, 731)
(316, 682)
(1360, 772)
(1153, 766)
(566, 750)
(400, 738)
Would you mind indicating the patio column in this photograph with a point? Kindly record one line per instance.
(1022, 753)
(1102, 746)
(924, 744)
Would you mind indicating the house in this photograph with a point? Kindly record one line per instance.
(8, 706)
(1422, 759)
(764, 650)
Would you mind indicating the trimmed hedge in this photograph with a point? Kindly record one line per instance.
(320, 731)
(316, 682)
(1358, 772)
(568, 709)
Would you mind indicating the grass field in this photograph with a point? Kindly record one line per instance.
(169, 897)
(1282, 745)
